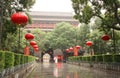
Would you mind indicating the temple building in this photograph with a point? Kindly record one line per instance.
(46, 21)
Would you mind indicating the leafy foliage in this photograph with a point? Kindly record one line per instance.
(107, 10)
(39, 38)
(9, 59)
(2, 60)
(63, 36)
(7, 9)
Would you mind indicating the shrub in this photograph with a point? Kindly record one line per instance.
(22, 59)
(116, 58)
(84, 58)
(80, 58)
(25, 59)
(93, 58)
(108, 58)
(99, 58)
(88, 58)
(17, 58)
(31, 58)
(9, 59)
(2, 60)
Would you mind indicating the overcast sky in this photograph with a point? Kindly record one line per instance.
(53, 6)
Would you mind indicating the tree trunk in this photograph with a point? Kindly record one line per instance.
(1, 22)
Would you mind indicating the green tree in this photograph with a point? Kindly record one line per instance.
(82, 34)
(39, 38)
(15, 42)
(7, 9)
(27, 4)
(62, 37)
(107, 10)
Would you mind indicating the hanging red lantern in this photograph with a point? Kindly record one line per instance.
(71, 49)
(78, 47)
(67, 50)
(59, 57)
(32, 43)
(36, 49)
(29, 36)
(19, 18)
(35, 46)
(105, 37)
(89, 43)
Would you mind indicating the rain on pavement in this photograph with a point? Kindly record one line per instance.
(64, 70)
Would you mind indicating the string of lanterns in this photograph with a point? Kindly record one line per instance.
(30, 37)
(20, 18)
(89, 43)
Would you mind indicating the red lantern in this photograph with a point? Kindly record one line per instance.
(19, 18)
(59, 56)
(78, 47)
(71, 49)
(32, 43)
(27, 50)
(105, 37)
(36, 49)
(89, 43)
(67, 50)
(35, 46)
(29, 36)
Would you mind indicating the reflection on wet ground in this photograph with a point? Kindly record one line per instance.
(63, 70)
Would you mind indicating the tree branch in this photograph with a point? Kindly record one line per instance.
(116, 13)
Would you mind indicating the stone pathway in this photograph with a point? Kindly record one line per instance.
(64, 70)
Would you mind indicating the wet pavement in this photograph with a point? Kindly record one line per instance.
(64, 70)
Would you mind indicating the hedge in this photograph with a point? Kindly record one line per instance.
(107, 58)
(22, 59)
(2, 60)
(25, 59)
(17, 58)
(93, 58)
(116, 58)
(9, 59)
(97, 58)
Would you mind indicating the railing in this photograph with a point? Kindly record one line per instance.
(11, 72)
(101, 66)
